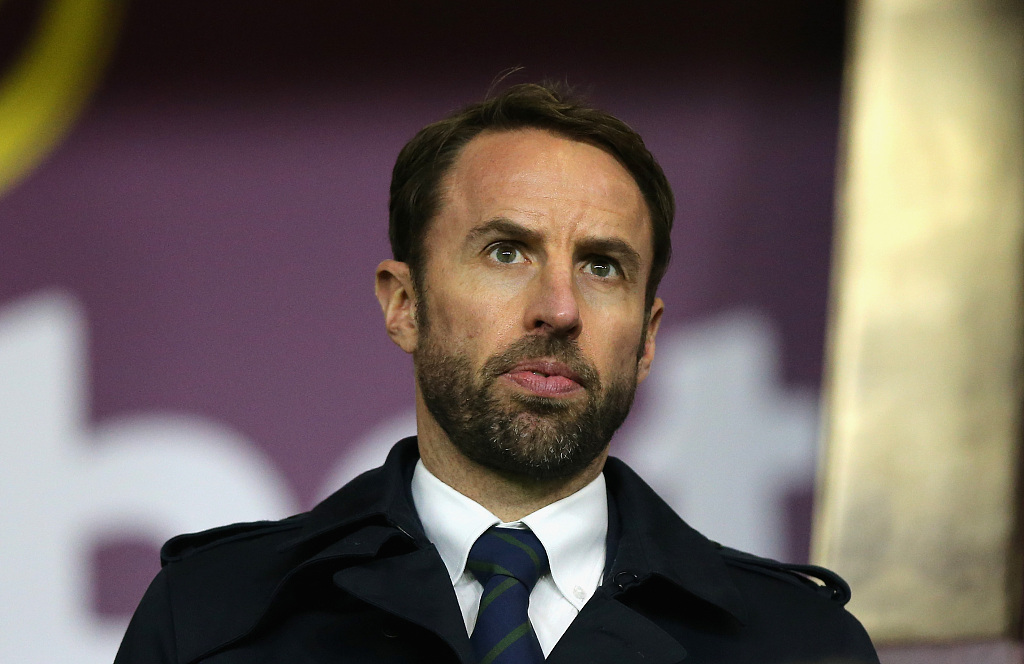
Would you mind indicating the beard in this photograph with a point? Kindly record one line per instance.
(526, 435)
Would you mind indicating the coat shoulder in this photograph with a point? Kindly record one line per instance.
(215, 585)
(800, 608)
(818, 580)
(270, 533)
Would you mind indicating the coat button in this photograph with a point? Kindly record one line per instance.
(391, 628)
(625, 579)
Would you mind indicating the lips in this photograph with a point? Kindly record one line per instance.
(545, 378)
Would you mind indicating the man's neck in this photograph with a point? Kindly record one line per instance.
(507, 496)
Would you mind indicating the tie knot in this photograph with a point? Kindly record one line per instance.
(508, 552)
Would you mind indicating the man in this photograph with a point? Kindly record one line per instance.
(529, 235)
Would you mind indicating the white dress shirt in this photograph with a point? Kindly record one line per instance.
(572, 530)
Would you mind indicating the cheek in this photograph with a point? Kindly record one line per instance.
(496, 301)
(617, 344)
(473, 317)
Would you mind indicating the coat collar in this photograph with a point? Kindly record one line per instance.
(654, 540)
(353, 525)
(378, 495)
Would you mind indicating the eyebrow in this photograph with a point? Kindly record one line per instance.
(503, 226)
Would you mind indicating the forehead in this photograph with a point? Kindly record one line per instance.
(533, 175)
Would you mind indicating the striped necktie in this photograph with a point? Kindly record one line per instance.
(507, 563)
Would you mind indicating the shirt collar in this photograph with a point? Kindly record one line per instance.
(573, 531)
(451, 521)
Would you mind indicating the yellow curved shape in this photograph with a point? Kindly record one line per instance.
(46, 89)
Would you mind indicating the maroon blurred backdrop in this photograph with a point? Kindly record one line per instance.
(221, 205)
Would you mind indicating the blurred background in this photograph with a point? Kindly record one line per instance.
(193, 199)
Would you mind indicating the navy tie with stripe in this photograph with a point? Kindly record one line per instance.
(507, 563)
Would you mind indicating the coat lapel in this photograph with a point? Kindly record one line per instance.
(609, 632)
(415, 587)
(358, 521)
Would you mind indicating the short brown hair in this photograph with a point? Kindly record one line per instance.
(427, 158)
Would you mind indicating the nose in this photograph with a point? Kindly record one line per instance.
(553, 306)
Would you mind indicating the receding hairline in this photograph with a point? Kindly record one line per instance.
(444, 181)
(414, 199)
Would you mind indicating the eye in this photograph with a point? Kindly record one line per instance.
(603, 268)
(504, 252)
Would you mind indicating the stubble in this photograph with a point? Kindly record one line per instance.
(532, 436)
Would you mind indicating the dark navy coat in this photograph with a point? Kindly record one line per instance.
(356, 580)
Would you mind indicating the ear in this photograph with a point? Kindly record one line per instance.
(397, 298)
(644, 365)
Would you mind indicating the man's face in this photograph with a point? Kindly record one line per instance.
(532, 328)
